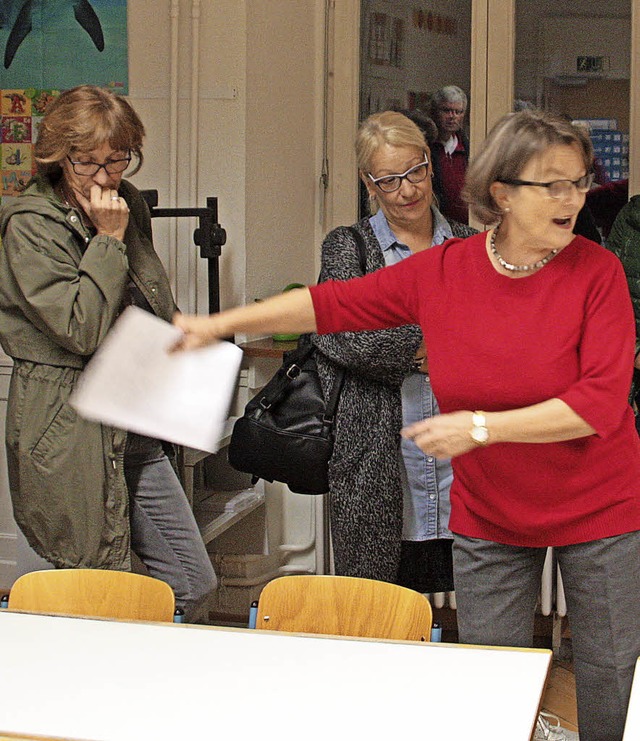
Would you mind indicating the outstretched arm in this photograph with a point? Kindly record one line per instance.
(286, 313)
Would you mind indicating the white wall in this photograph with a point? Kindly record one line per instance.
(431, 56)
(282, 164)
(254, 128)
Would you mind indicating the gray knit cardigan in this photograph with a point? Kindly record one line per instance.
(365, 497)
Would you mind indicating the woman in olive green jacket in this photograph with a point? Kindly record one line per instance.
(76, 249)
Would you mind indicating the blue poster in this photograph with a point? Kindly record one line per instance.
(58, 44)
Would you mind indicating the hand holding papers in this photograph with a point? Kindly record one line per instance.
(133, 382)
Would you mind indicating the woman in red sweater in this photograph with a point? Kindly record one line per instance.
(530, 336)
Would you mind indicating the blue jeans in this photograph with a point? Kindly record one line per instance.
(496, 592)
(164, 533)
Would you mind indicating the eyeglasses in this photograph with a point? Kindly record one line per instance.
(391, 183)
(556, 188)
(454, 111)
(89, 169)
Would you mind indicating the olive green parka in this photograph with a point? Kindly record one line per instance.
(61, 289)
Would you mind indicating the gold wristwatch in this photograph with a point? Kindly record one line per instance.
(479, 432)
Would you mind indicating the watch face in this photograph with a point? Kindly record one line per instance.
(480, 434)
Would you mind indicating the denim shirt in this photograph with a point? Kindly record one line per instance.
(425, 480)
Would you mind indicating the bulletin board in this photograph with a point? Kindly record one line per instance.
(21, 111)
(46, 47)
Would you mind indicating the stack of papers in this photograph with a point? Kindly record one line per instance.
(135, 383)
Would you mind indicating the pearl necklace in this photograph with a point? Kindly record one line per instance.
(518, 268)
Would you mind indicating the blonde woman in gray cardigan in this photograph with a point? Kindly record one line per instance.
(389, 502)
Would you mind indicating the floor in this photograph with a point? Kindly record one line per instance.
(560, 695)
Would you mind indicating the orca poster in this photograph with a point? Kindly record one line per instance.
(57, 44)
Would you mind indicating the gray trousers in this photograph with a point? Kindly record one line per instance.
(497, 588)
(164, 533)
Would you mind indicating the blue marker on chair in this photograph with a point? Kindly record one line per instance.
(4, 602)
(436, 633)
(253, 614)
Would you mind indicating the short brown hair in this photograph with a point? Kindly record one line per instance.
(84, 118)
(511, 143)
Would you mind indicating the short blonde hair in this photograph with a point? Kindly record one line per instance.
(511, 143)
(387, 127)
(82, 119)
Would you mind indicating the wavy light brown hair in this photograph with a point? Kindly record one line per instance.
(511, 143)
(82, 119)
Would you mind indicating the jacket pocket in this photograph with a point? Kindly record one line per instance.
(57, 439)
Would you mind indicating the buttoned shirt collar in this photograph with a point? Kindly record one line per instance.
(387, 239)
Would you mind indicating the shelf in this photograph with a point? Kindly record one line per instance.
(212, 517)
(266, 348)
(192, 456)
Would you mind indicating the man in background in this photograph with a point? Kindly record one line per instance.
(450, 153)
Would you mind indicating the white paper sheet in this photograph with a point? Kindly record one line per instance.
(134, 383)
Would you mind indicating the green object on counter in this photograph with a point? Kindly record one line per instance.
(288, 337)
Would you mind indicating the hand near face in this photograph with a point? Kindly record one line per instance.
(108, 212)
(443, 436)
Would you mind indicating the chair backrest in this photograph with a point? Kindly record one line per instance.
(93, 593)
(344, 605)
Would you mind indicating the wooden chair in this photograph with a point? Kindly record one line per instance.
(93, 593)
(345, 606)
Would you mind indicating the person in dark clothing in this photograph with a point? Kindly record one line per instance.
(450, 153)
(586, 225)
(605, 203)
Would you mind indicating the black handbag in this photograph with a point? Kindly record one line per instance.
(287, 430)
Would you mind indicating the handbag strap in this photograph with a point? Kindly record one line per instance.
(292, 368)
(287, 373)
(332, 402)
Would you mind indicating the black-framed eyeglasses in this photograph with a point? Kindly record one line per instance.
(556, 188)
(89, 169)
(390, 183)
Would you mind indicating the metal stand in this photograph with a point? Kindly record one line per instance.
(209, 236)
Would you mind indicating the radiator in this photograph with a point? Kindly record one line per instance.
(442, 599)
(551, 592)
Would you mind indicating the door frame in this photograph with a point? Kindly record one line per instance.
(492, 90)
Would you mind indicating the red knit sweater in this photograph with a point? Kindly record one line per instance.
(496, 343)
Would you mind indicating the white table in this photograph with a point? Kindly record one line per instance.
(632, 726)
(92, 679)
